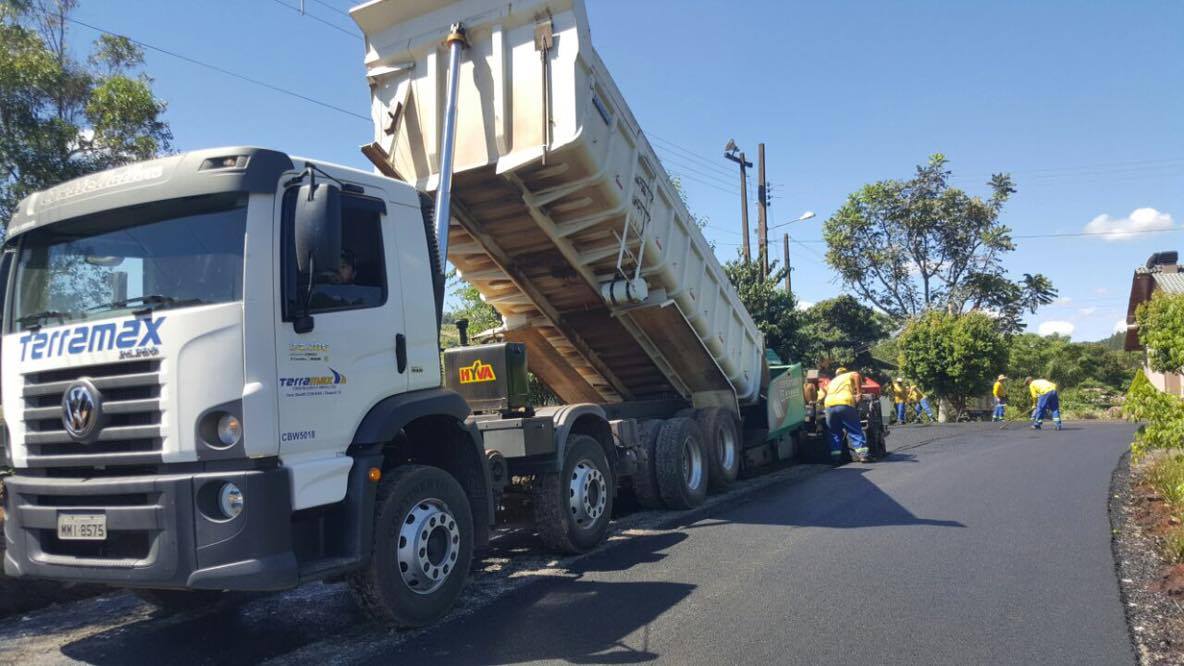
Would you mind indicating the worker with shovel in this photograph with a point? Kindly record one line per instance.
(920, 404)
(1044, 395)
(842, 395)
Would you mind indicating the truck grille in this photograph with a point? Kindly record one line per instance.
(132, 434)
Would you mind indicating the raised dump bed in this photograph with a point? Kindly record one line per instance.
(562, 217)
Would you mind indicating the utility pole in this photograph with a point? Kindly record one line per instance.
(785, 249)
(731, 154)
(763, 203)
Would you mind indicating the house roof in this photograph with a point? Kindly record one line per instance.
(1171, 283)
(1156, 276)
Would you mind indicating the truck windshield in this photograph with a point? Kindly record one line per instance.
(165, 254)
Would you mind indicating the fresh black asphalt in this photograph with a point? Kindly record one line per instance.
(981, 546)
(969, 544)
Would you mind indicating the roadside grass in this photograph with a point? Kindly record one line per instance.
(1165, 475)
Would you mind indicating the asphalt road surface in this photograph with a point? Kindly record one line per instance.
(969, 544)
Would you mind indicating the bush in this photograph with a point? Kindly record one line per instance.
(1163, 415)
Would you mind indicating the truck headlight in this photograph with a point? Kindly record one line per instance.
(230, 430)
(230, 500)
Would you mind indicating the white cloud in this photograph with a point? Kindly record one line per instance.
(1120, 326)
(1056, 327)
(1122, 228)
(804, 305)
(1085, 312)
(1101, 291)
(1063, 300)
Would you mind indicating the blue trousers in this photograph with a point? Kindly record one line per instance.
(999, 409)
(840, 418)
(1049, 401)
(900, 412)
(924, 405)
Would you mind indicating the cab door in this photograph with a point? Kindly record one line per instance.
(355, 354)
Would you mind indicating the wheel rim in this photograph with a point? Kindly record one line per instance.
(692, 464)
(587, 494)
(727, 447)
(428, 547)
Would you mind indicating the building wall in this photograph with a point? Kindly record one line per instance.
(1172, 383)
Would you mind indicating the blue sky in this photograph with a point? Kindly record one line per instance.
(1082, 102)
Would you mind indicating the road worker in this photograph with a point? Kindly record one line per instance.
(1000, 393)
(920, 403)
(900, 394)
(1044, 395)
(842, 395)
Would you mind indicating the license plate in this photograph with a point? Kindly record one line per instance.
(82, 526)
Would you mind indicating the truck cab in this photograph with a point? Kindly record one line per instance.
(209, 361)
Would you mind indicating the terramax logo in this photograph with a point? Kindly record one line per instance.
(91, 338)
(324, 380)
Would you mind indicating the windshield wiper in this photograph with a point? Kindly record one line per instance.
(33, 321)
(151, 302)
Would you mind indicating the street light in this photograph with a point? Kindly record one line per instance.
(805, 216)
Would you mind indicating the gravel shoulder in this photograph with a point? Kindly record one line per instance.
(1155, 618)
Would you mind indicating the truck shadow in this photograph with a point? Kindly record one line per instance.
(842, 498)
(579, 621)
(560, 615)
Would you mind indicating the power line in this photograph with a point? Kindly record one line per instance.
(220, 70)
(319, 19)
(331, 8)
(724, 171)
(1079, 234)
(707, 183)
(1136, 164)
(687, 167)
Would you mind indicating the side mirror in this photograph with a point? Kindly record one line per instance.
(317, 236)
(317, 223)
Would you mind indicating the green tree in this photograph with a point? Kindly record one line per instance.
(1069, 363)
(769, 304)
(60, 118)
(1161, 331)
(468, 306)
(842, 331)
(910, 246)
(955, 357)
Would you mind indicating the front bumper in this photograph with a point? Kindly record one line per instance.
(158, 535)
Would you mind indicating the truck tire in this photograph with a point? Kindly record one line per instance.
(178, 601)
(572, 507)
(722, 445)
(679, 460)
(645, 482)
(422, 547)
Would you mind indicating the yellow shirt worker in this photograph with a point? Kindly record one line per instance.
(999, 390)
(842, 394)
(1044, 394)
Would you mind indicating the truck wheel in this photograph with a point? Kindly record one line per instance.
(572, 507)
(682, 472)
(423, 542)
(645, 482)
(722, 446)
(178, 601)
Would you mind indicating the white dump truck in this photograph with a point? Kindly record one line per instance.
(222, 368)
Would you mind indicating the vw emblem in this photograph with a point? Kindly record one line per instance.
(81, 409)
